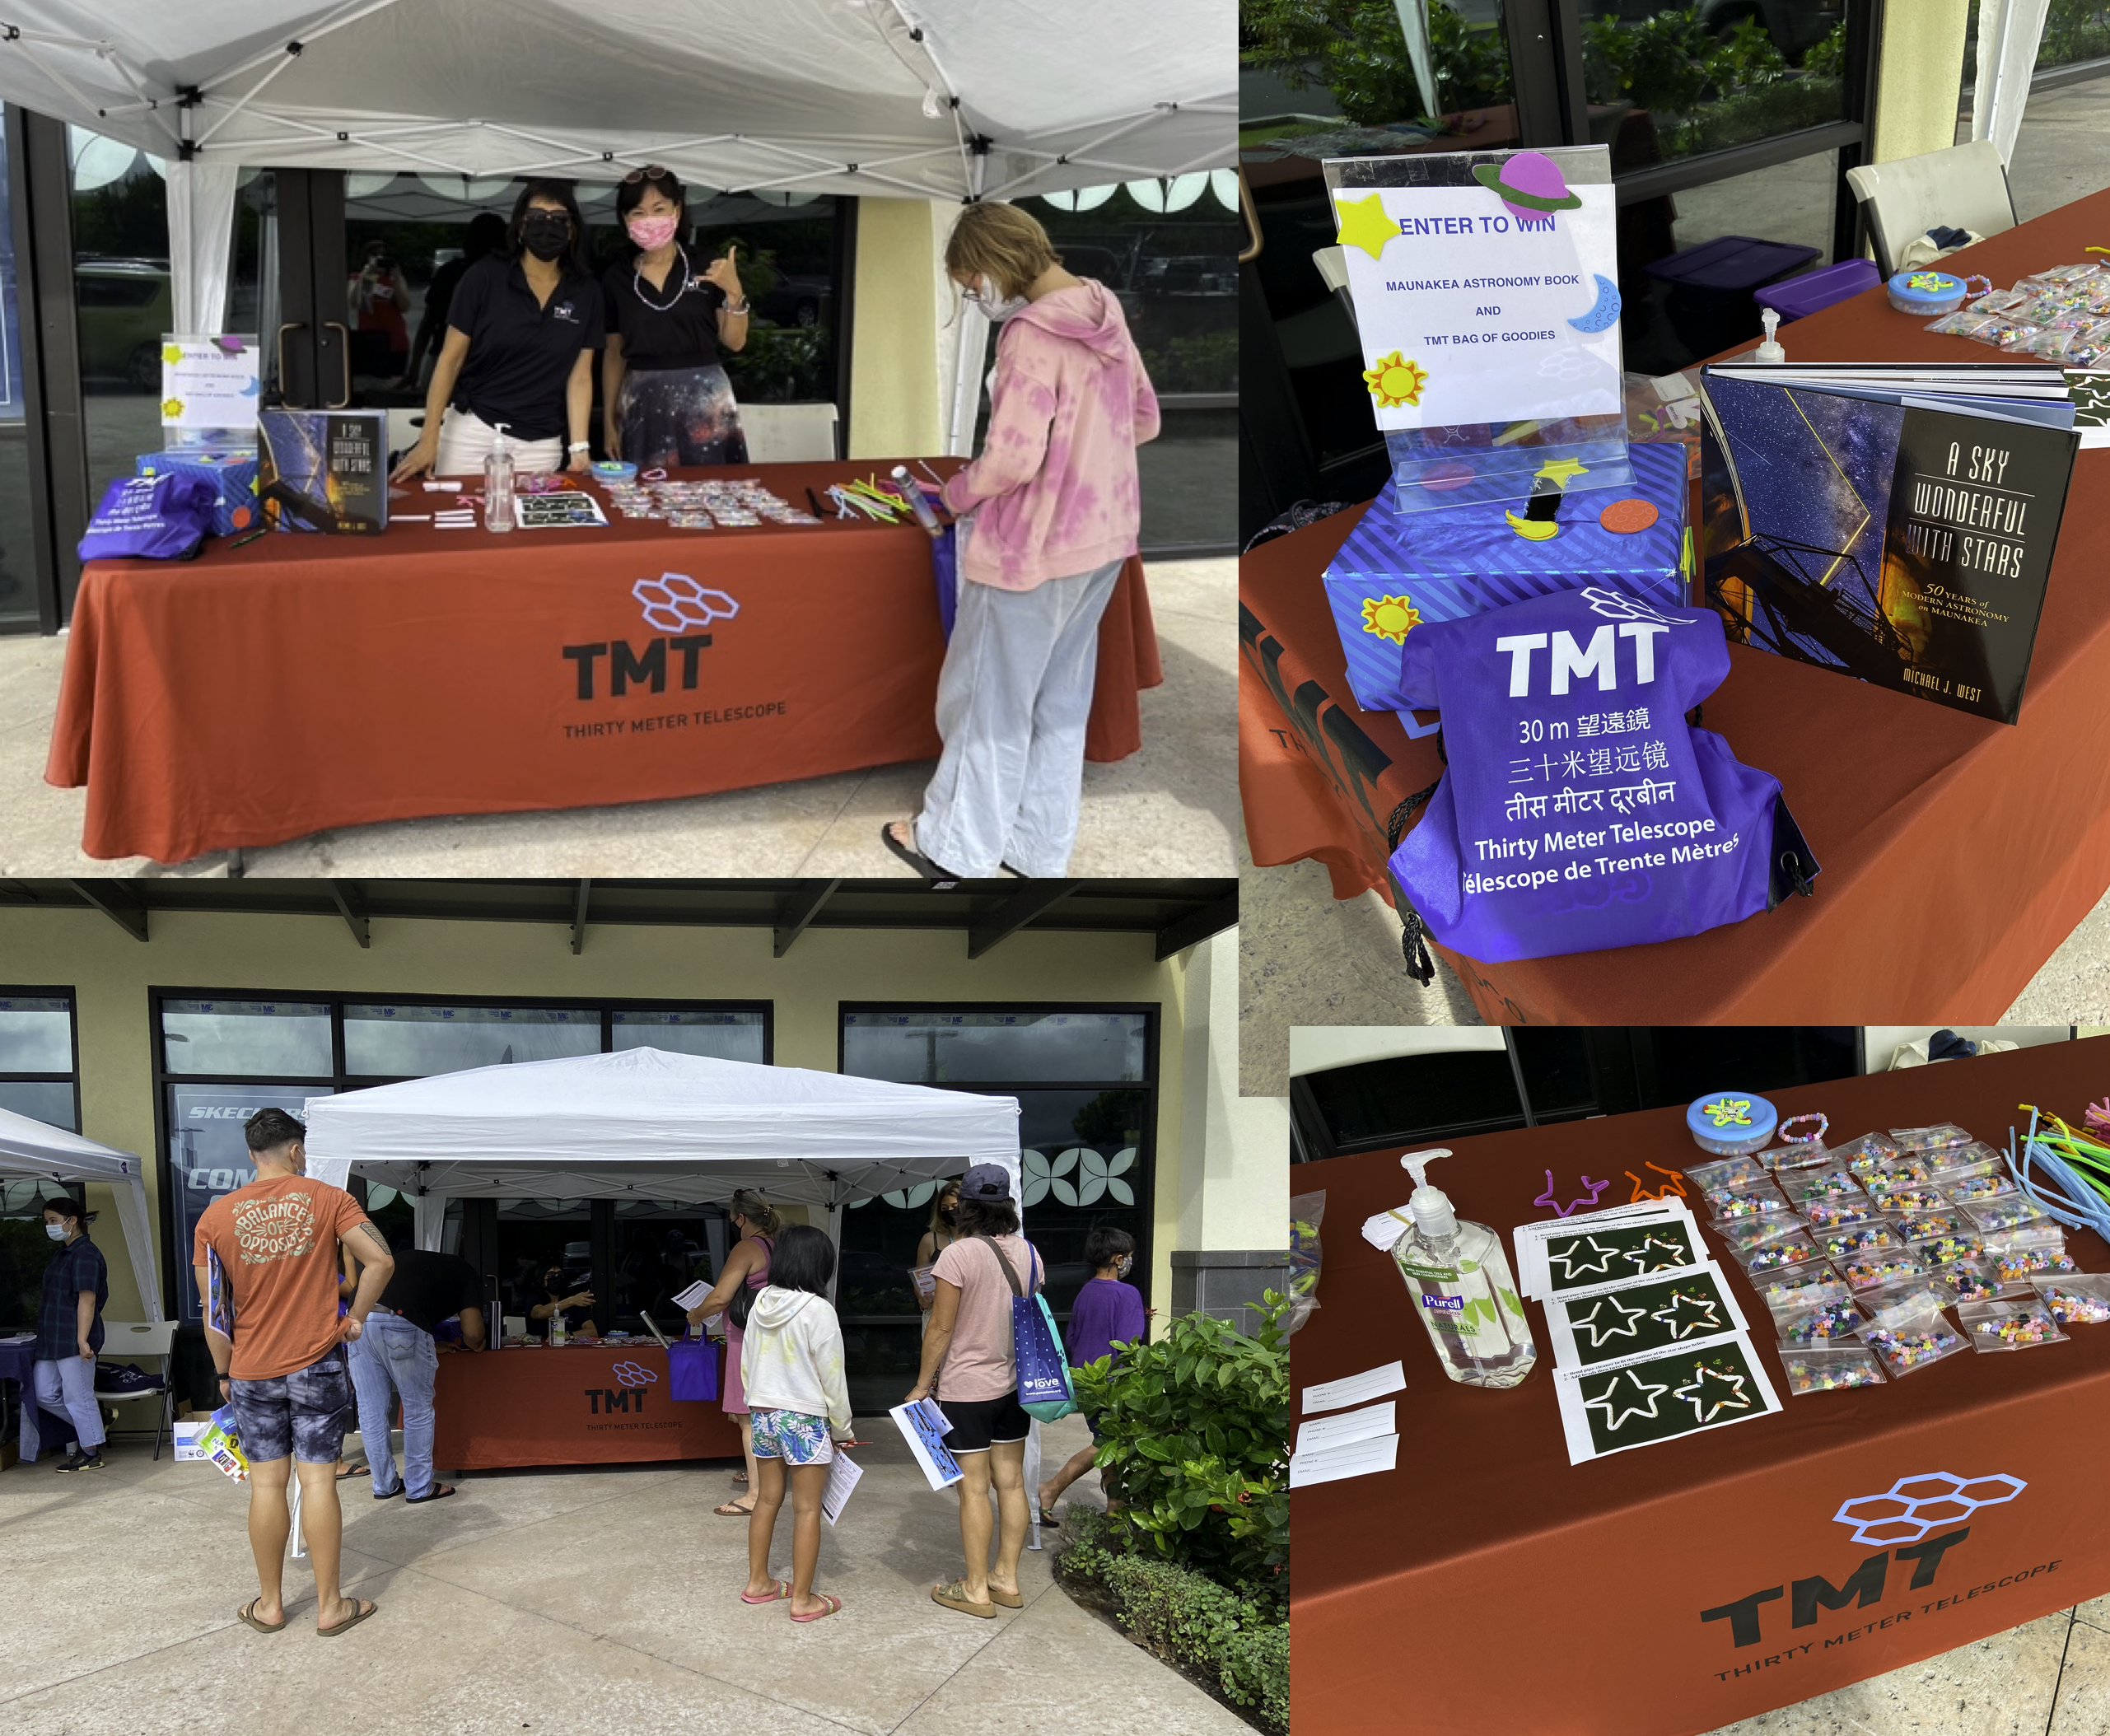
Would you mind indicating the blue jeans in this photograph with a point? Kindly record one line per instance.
(67, 1386)
(392, 1358)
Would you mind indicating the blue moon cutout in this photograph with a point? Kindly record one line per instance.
(251, 388)
(1606, 311)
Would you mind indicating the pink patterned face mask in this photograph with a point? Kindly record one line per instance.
(650, 233)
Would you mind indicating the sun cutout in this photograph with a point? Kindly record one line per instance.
(1393, 380)
(1390, 617)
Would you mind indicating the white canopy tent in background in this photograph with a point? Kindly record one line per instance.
(645, 1124)
(932, 98)
(2009, 33)
(36, 1148)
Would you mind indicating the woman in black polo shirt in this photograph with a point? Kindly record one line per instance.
(522, 329)
(69, 1331)
(666, 399)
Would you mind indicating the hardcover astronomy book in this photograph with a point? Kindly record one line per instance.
(1896, 524)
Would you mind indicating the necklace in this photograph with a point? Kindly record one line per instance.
(637, 282)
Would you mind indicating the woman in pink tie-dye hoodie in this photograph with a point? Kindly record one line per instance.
(1047, 514)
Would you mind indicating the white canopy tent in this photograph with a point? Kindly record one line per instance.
(645, 1124)
(931, 99)
(36, 1148)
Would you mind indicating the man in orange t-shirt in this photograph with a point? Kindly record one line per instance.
(267, 1262)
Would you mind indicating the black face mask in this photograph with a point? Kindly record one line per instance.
(948, 1213)
(546, 234)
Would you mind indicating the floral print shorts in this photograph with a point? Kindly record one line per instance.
(793, 1436)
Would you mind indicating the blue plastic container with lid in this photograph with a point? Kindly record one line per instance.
(1929, 292)
(1731, 1123)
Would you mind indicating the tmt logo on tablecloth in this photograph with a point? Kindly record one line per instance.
(627, 1395)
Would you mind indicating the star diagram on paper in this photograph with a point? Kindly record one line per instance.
(1623, 1324)
(1702, 1318)
(1706, 1407)
(1656, 1253)
(1614, 1415)
(1570, 1260)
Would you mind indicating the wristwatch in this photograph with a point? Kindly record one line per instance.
(741, 310)
(580, 446)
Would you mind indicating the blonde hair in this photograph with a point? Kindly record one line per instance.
(1000, 242)
(747, 1203)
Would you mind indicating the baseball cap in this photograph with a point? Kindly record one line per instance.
(985, 1182)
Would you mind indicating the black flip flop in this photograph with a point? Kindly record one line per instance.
(392, 1494)
(920, 863)
(440, 1492)
(355, 1470)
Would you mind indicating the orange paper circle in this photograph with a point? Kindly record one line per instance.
(1628, 515)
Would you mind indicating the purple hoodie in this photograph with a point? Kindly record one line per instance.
(1053, 493)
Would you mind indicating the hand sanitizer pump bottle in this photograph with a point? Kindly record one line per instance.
(1459, 1280)
(498, 482)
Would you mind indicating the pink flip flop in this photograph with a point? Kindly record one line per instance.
(832, 1603)
(779, 1590)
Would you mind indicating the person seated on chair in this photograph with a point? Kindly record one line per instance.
(575, 1306)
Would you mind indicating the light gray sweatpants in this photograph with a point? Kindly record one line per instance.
(1013, 700)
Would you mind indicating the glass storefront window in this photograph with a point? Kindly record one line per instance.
(264, 1039)
(940, 1047)
(661, 1248)
(724, 1036)
(787, 262)
(403, 1041)
(17, 549)
(123, 302)
(36, 1034)
(533, 1237)
(24, 1251)
(41, 1100)
(208, 1157)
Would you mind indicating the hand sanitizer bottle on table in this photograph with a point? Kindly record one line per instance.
(1459, 1280)
(498, 482)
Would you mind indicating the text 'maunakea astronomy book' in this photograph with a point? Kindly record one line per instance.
(1895, 523)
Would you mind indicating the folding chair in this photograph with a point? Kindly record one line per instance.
(1962, 187)
(130, 1341)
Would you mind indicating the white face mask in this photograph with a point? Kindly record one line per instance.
(994, 307)
(1121, 1265)
(57, 1232)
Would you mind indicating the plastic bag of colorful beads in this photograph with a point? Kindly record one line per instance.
(2003, 301)
(1979, 1190)
(2035, 1248)
(1914, 1344)
(1882, 1266)
(2076, 1298)
(1825, 1367)
(1798, 1289)
(1821, 1325)
(1792, 1250)
(2014, 1211)
(1887, 1303)
(1870, 1151)
(1852, 1240)
(2010, 1326)
(1724, 1173)
(1743, 1235)
(1909, 1202)
(1836, 1213)
(1973, 1280)
(1802, 1185)
(2079, 344)
(1968, 322)
(2060, 276)
(1925, 1226)
(1939, 1137)
(1962, 1160)
(1731, 1204)
(1941, 1251)
(1900, 1171)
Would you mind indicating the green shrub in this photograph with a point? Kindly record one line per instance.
(1195, 1443)
(1355, 50)
(1240, 1645)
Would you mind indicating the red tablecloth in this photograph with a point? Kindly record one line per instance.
(303, 683)
(579, 1405)
(1958, 854)
(1534, 1597)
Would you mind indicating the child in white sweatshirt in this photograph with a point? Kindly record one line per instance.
(792, 1366)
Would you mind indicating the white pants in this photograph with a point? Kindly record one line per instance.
(465, 442)
(67, 1386)
(1013, 701)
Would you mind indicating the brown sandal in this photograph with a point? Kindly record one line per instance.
(733, 1509)
(954, 1596)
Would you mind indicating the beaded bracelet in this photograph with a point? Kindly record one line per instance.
(1823, 1127)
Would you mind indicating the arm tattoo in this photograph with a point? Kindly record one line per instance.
(374, 1235)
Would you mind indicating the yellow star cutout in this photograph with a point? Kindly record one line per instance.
(1390, 617)
(1559, 472)
(1393, 380)
(1365, 225)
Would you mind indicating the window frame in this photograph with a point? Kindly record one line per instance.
(72, 999)
(1149, 1085)
(340, 1080)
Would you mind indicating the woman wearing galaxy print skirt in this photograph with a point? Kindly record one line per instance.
(667, 400)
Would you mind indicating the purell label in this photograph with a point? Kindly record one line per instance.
(1446, 1305)
(1439, 1274)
